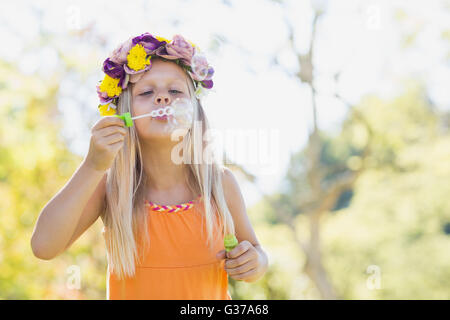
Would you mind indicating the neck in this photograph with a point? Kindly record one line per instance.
(162, 173)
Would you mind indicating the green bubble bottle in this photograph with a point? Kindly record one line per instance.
(230, 242)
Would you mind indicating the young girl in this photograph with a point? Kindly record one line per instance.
(165, 208)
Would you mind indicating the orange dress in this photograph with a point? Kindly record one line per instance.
(178, 264)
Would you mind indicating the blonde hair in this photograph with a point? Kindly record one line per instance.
(125, 215)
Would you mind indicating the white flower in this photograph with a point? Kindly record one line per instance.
(112, 105)
(201, 92)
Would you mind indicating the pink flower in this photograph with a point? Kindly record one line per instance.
(181, 49)
(119, 55)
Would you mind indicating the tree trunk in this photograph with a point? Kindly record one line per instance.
(313, 266)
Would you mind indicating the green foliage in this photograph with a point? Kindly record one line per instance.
(34, 164)
(396, 218)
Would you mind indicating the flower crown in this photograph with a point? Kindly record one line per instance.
(131, 59)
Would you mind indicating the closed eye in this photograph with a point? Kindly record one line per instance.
(150, 92)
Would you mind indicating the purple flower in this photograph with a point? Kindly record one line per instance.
(150, 43)
(114, 70)
(208, 84)
(103, 96)
(119, 55)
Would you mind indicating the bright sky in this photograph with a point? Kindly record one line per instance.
(251, 97)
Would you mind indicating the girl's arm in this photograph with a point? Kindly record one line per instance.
(70, 212)
(247, 261)
(80, 202)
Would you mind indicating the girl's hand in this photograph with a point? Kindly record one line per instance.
(245, 262)
(107, 139)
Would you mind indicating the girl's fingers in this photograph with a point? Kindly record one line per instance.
(116, 144)
(244, 276)
(104, 132)
(240, 249)
(108, 121)
(240, 260)
(242, 268)
(114, 138)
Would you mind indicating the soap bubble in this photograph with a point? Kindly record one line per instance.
(200, 67)
(181, 115)
(183, 111)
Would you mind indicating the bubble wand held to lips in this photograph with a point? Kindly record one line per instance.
(181, 111)
(126, 117)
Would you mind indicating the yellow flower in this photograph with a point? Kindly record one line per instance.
(110, 86)
(104, 110)
(191, 43)
(197, 48)
(137, 58)
(161, 39)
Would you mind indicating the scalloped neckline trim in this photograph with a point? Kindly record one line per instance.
(171, 208)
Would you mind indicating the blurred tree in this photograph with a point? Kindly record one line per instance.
(390, 238)
(34, 164)
(321, 184)
(397, 217)
(323, 176)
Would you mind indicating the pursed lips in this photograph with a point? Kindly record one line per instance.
(163, 117)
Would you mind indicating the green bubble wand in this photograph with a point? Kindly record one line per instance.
(126, 117)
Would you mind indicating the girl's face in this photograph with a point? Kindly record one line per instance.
(157, 88)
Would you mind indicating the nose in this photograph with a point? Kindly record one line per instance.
(162, 100)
